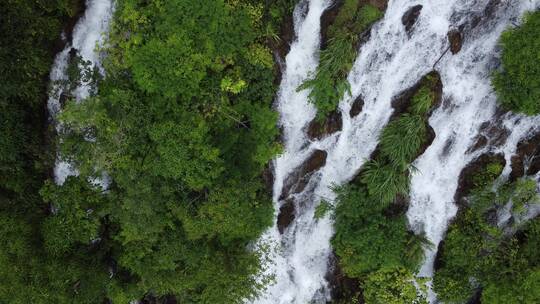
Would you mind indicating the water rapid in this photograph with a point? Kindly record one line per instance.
(390, 62)
(88, 36)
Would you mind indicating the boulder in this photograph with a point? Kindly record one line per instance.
(357, 106)
(527, 157)
(456, 41)
(319, 130)
(410, 17)
(297, 181)
(287, 213)
(465, 181)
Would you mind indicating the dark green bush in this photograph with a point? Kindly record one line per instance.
(518, 82)
(477, 255)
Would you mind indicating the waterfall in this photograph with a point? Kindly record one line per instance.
(389, 63)
(468, 102)
(88, 36)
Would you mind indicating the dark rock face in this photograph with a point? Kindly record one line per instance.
(380, 4)
(287, 213)
(491, 133)
(268, 177)
(343, 288)
(298, 180)
(357, 106)
(79, 7)
(527, 155)
(327, 19)
(456, 41)
(465, 181)
(480, 142)
(410, 17)
(287, 35)
(332, 124)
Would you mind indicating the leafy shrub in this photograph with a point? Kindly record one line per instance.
(384, 182)
(322, 209)
(402, 138)
(518, 82)
(392, 286)
(365, 239)
(476, 253)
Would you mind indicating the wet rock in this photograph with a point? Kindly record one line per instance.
(527, 158)
(476, 297)
(357, 106)
(430, 137)
(497, 134)
(286, 36)
(78, 7)
(456, 41)
(343, 288)
(465, 181)
(402, 101)
(439, 262)
(327, 19)
(287, 213)
(297, 181)
(448, 145)
(380, 4)
(63, 99)
(410, 17)
(332, 124)
(268, 177)
(398, 207)
(480, 142)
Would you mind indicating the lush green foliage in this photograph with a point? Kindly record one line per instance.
(329, 84)
(392, 286)
(28, 274)
(181, 127)
(184, 139)
(518, 83)
(477, 254)
(29, 31)
(366, 239)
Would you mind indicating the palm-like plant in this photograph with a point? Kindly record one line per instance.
(402, 139)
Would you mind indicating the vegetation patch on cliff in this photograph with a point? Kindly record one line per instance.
(329, 83)
(482, 254)
(518, 82)
(372, 239)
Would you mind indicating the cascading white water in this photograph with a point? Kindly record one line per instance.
(88, 36)
(389, 63)
(469, 101)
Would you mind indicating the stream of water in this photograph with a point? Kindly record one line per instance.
(88, 36)
(389, 63)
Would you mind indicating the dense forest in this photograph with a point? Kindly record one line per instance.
(174, 146)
